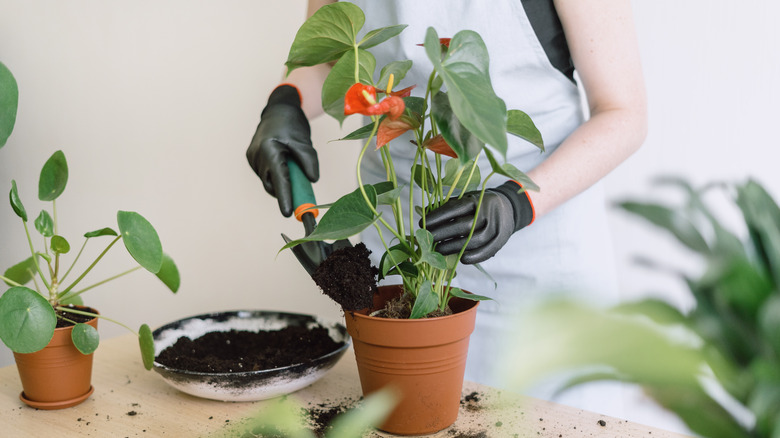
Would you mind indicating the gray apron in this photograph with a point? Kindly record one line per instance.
(566, 251)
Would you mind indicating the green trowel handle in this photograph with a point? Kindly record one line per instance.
(302, 193)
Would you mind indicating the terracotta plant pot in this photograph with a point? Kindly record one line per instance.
(424, 359)
(58, 376)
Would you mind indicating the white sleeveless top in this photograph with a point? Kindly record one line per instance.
(567, 250)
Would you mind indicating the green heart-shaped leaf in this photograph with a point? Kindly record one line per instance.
(341, 77)
(426, 302)
(381, 35)
(9, 101)
(85, 338)
(141, 240)
(54, 177)
(146, 343)
(386, 194)
(511, 172)
(345, 218)
(520, 124)
(456, 292)
(169, 274)
(398, 69)
(44, 224)
(16, 203)
(464, 71)
(427, 254)
(27, 320)
(466, 145)
(329, 33)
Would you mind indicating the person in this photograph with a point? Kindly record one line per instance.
(539, 51)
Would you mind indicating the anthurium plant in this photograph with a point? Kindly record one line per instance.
(29, 317)
(458, 117)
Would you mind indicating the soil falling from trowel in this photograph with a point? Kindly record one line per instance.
(348, 277)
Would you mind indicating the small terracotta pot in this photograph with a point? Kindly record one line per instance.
(424, 359)
(58, 376)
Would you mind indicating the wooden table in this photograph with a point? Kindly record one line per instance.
(131, 402)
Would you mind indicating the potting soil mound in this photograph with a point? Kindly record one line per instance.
(348, 277)
(241, 351)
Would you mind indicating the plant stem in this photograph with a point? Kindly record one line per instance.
(94, 315)
(84, 245)
(9, 281)
(471, 175)
(68, 289)
(34, 257)
(61, 296)
(54, 212)
(363, 190)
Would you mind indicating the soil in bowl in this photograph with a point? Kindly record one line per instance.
(237, 351)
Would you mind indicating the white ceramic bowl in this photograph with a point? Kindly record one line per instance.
(251, 385)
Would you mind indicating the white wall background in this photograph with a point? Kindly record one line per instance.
(154, 104)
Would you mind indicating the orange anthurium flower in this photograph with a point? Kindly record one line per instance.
(443, 41)
(390, 129)
(361, 99)
(406, 92)
(439, 146)
(358, 98)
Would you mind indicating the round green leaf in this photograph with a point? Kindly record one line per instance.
(141, 240)
(16, 203)
(54, 177)
(169, 273)
(44, 224)
(59, 245)
(21, 272)
(146, 342)
(9, 100)
(101, 232)
(27, 320)
(85, 338)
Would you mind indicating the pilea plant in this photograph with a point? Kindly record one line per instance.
(458, 117)
(28, 317)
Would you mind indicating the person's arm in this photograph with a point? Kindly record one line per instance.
(309, 80)
(284, 136)
(604, 48)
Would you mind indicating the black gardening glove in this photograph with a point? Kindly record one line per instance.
(283, 133)
(503, 212)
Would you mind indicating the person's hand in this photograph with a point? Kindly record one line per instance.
(503, 212)
(283, 133)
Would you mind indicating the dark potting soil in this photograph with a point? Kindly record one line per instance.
(347, 277)
(64, 318)
(241, 351)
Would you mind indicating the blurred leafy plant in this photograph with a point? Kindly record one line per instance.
(28, 318)
(731, 337)
(284, 418)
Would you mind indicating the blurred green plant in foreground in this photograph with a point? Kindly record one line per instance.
(717, 366)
